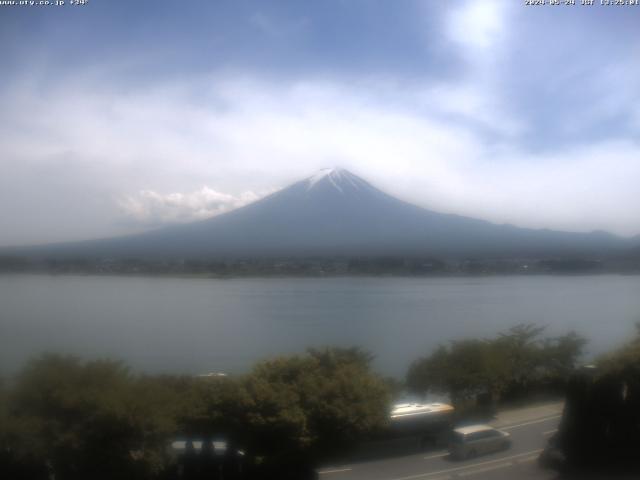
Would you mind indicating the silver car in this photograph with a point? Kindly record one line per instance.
(474, 440)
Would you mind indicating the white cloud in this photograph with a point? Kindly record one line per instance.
(480, 34)
(585, 187)
(476, 104)
(478, 25)
(153, 208)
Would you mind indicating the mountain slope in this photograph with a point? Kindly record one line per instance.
(337, 213)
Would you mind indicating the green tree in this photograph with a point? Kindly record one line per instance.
(315, 405)
(289, 411)
(463, 370)
(623, 362)
(514, 364)
(88, 420)
(560, 355)
(93, 419)
(520, 349)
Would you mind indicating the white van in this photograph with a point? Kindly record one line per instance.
(468, 442)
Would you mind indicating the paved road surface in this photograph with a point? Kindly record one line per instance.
(529, 428)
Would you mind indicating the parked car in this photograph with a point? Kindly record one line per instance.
(206, 458)
(474, 440)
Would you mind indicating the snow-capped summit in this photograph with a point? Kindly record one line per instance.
(338, 180)
(337, 177)
(324, 173)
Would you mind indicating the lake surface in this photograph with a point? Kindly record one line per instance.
(206, 325)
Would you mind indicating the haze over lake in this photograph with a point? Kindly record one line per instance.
(202, 325)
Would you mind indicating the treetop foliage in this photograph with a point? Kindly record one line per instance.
(95, 419)
(513, 363)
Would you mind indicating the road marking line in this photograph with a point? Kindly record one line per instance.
(443, 454)
(466, 467)
(549, 432)
(335, 470)
(526, 459)
(530, 423)
(485, 469)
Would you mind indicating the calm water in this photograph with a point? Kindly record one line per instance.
(202, 325)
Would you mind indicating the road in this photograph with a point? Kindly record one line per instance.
(529, 429)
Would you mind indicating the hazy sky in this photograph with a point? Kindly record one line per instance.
(119, 115)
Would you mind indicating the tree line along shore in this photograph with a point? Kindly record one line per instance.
(323, 266)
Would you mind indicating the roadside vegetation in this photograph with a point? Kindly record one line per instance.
(70, 419)
(477, 374)
(66, 418)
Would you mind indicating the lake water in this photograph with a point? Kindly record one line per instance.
(205, 325)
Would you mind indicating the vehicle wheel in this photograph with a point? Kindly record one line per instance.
(505, 445)
(471, 454)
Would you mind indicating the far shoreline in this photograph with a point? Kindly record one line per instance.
(206, 276)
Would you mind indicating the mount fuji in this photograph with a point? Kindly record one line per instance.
(335, 212)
